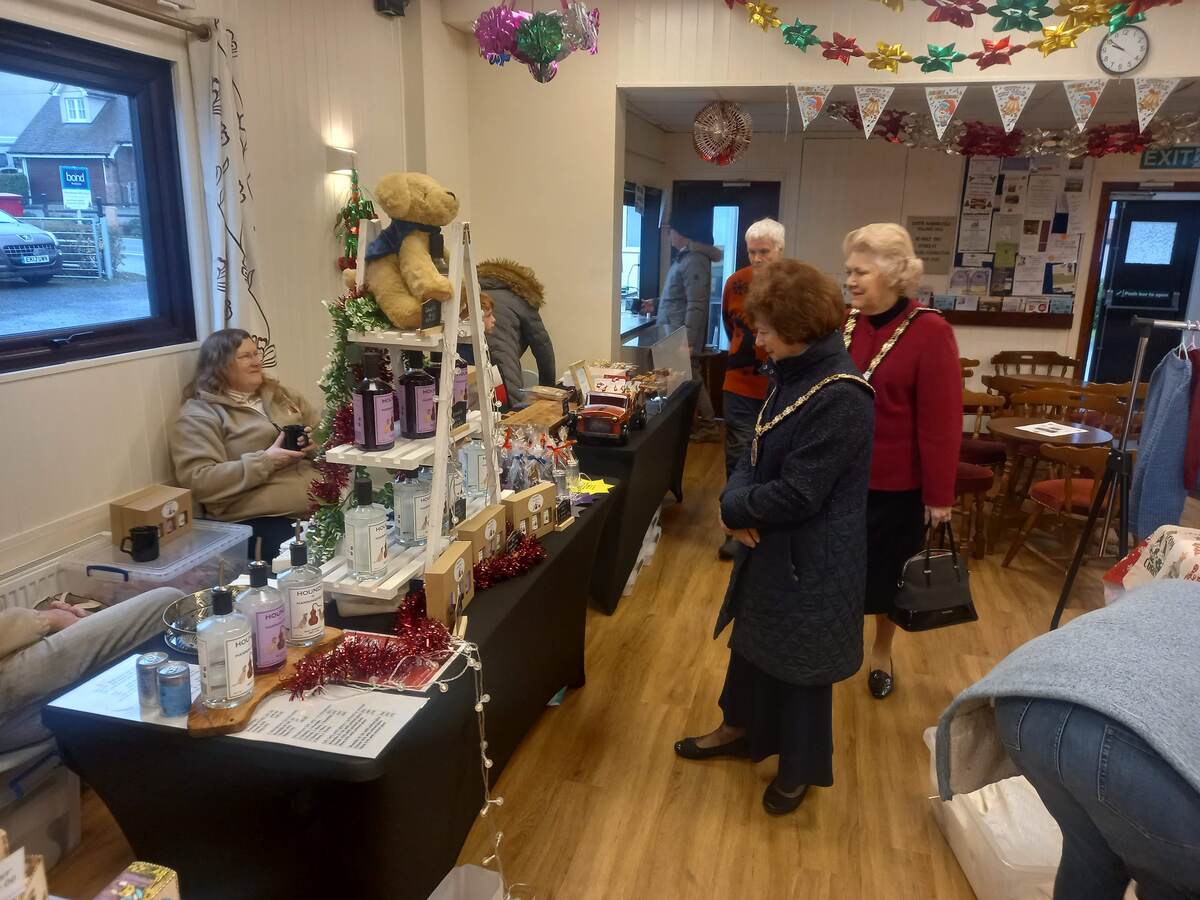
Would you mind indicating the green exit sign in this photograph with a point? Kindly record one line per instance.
(1171, 158)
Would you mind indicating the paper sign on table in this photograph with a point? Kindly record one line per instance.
(12, 875)
(1051, 429)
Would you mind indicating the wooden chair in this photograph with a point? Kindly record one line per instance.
(1034, 362)
(979, 450)
(980, 461)
(1069, 497)
(967, 367)
(1003, 386)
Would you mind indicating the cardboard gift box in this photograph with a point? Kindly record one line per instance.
(167, 508)
(450, 584)
(531, 511)
(485, 532)
(22, 875)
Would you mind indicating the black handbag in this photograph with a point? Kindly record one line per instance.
(935, 591)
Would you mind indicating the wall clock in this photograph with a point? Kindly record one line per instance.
(1123, 50)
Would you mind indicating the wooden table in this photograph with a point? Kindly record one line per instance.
(1009, 430)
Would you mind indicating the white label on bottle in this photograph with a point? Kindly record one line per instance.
(421, 515)
(239, 666)
(377, 544)
(306, 612)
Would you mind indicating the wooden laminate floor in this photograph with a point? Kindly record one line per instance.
(598, 806)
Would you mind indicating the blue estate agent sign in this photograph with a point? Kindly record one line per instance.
(1171, 158)
(76, 187)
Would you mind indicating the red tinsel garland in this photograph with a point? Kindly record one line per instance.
(982, 139)
(334, 478)
(524, 556)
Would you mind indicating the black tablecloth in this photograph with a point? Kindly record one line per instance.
(648, 466)
(243, 819)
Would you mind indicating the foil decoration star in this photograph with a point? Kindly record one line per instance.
(956, 12)
(841, 48)
(893, 5)
(1085, 13)
(940, 59)
(887, 57)
(1138, 7)
(1123, 15)
(1019, 15)
(800, 35)
(996, 53)
(1061, 37)
(763, 15)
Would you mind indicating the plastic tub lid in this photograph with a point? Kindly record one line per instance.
(204, 540)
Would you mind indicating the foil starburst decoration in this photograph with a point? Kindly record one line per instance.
(801, 35)
(763, 15)
(888, 57)
(1061, 37)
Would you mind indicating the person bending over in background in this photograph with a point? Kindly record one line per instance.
(227, 443)
(745, 381)
(1101, 717)
(797, 506)
(909, 355)
(517, 298)
(44, 651)
(684, 303)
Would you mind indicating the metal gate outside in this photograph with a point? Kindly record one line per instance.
(85, 244)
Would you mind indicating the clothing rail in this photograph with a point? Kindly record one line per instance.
(199, 29)
(1118, 473)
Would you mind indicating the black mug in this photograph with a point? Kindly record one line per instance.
(143, 543)
(291, 436)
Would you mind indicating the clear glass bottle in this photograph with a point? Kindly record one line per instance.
(366, 532)
(558, 471)
(408, 492)
(424, 503)
(304, 598)
(416, 394)
(374, 408)
(263, 608)
(226, 650)
(472, 458)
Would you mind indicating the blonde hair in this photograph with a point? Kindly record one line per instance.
(892, 247)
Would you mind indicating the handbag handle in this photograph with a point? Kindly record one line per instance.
(944, 530)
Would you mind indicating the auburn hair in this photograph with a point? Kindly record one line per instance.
(798, 302)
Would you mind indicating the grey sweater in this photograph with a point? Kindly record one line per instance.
(1137, 662)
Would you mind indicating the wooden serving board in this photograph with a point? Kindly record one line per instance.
(203, 722)
(545, 414)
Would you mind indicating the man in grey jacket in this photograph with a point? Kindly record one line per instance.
(1101, 717)
(685, 298)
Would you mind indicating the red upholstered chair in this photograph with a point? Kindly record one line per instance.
(981, 451)
(1068, 497)
(972, 485)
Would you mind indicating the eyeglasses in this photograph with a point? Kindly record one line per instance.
(253, 354)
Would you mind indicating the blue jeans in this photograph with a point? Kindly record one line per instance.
(1123, 810)
(740, 415)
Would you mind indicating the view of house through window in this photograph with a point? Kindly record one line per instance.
(71, 238)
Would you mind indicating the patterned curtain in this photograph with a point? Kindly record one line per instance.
(235, 289)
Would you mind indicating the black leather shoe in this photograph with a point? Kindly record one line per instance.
(778, 803)
(689, 749)
(728, 549)
(881, 683)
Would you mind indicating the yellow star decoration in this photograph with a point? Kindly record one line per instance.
(887, 57)
(763, 15)
(1060, 37)
(1084, 13)
(894, 5)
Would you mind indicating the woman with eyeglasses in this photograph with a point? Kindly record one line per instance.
(227, 443)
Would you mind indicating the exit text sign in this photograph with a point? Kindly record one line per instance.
(1171, 158)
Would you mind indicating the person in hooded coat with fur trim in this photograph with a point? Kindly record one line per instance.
(518, 297)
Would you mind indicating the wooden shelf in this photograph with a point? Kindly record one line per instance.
(406, 455)
(428, 339)
(1060, 321)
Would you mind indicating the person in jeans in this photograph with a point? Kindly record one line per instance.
(43, 651)
(684, 303)
(745, 381)
(1101, 718)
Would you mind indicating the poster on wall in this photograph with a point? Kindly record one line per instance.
(933, 238)
(974, 232)
(1042, 199)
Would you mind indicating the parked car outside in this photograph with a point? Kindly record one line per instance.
(27, 251)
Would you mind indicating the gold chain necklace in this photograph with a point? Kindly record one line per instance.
(760, 429)
(852, 321)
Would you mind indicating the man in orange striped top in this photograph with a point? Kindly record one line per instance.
(745, 382)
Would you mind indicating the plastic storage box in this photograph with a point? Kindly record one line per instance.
(39, 804)
(101, 571)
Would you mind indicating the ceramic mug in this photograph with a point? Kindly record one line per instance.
(143, 543)
(291, 436)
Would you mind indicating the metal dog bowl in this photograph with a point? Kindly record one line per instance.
(181, 618)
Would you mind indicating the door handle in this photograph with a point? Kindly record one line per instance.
(1108, 297)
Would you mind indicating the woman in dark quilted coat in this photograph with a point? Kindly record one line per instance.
(797, 505)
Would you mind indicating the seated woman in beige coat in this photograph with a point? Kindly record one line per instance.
(227, 443)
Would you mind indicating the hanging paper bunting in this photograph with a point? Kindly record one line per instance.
(1011, 100)
(943, 104)
(1083, 97)
(811, 100)
(871, 103)
(1151, 94)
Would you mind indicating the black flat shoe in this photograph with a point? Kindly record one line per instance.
(689, 749)
(728, 550)
(778, 803)
(881, 683)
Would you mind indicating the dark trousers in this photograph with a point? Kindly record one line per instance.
(1123, 810)
(741, 413)
(273, 530)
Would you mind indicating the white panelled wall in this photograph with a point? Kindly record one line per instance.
(313, 73)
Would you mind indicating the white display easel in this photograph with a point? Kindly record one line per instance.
(405, 564)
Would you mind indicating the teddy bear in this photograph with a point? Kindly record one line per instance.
(400, 262)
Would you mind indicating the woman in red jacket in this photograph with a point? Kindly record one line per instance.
(909, 355)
